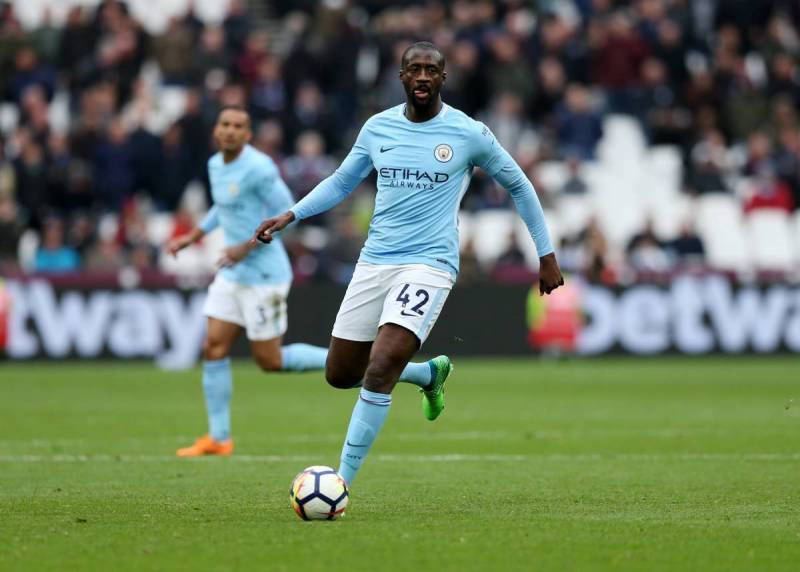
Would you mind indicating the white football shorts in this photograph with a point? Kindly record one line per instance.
(409, 295)
(260, 309)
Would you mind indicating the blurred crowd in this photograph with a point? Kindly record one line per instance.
(102, 124)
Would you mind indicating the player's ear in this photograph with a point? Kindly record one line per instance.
(444, 76)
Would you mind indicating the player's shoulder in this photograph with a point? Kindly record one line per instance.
(383, 119)
(215, 160)
(461, 120)
(478, 136)
(259, 161)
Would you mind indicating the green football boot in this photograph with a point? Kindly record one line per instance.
(433, 398)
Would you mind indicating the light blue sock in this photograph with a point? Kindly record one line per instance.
(420, 374)
(217, 387)
(302, 357)
(368, 416)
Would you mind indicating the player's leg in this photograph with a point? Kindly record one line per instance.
(265, 312)
(415, 302)
(217, 389)
(356, 327)
(347, 364)
(391, 351)
(302, 357)
(267, 353)
(271, 355)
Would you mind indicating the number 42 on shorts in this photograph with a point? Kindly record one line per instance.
(404, 298)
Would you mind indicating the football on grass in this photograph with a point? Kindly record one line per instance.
(319, 493)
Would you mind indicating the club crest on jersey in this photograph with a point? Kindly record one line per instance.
(443, 153)
(233, 190)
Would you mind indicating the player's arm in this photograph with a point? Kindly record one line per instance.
(326, 194)
(496, 161)
(234, 254)
(209, 223)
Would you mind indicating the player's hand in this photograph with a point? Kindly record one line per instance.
(177, 244)
(234, 254)
(550, 276)
(270, 226)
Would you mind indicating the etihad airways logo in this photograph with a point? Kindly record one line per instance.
(407, 178)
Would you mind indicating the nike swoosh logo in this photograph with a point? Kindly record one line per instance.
(351, 445)
(403, 313)
(385, 149)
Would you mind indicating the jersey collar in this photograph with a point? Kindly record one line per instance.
(401, 112)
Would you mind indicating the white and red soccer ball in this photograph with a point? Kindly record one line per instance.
(319, 493)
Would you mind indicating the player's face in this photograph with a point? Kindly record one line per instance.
(422, 76)
(232, 130)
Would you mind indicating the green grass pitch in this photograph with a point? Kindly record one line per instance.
(609, 464)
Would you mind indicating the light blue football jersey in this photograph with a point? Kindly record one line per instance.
(423, 171)
(246, 191)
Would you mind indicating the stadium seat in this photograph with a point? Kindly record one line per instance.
(26, 249)
(615, 200)
(59, 113)
(660, 177)
(770, 236)
(623, 142)
(719, 223)
(665, 162)
(211, 11)
(159, 228)
(796, 238)
(573, 214)
(194, 199)
(620, 224)
(313, 237)
(9, 117)
(108, 226)
(149, 18)
(465, 228)
(172, 101)
(493, 231)
(553, 175)
(669, 216)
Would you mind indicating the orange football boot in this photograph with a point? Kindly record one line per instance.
(205, 445)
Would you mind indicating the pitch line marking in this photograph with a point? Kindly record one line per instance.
(540, 434)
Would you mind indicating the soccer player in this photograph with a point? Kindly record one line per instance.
(249, 292)
(424, 152)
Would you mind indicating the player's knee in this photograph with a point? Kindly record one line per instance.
(214, 350)
(381, 373)
(339, 378)
(269, 362)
